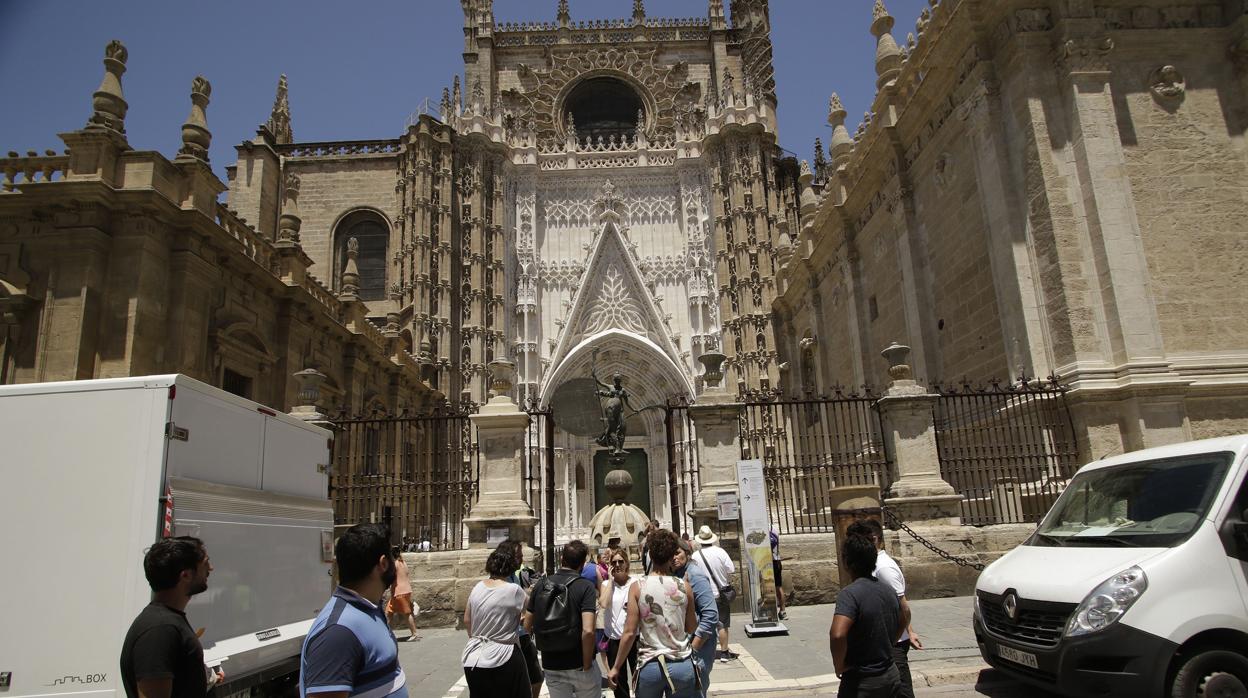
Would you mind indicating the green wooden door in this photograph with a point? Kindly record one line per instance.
(637, 465)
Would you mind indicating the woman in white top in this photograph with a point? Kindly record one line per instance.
(493, 663)
(613, 599)
(661, 621)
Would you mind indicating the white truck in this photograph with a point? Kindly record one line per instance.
(93, 472)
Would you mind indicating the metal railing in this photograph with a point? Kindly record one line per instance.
(809, 446)
(682, 463)
(1008, 449)
(415, 474)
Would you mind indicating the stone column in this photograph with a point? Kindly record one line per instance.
(500, 432)
(918, 494)
(716, 420)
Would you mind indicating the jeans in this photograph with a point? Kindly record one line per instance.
(574, 683)
(901, 657)
(707, 655)
(886, 685)
(652, 684)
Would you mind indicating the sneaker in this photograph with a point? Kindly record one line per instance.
(784, 615)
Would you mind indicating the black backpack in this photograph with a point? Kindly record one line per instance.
(556, 615)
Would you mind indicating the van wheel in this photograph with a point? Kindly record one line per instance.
(1212, 674)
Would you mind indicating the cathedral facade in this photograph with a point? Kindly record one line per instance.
(1042, 187)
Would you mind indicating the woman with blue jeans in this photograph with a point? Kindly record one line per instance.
(661, 620)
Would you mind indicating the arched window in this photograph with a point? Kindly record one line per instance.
(604, 107)
(373, 235)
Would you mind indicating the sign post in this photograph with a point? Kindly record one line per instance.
(756, 551)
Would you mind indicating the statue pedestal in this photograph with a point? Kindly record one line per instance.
(918, 493)
(500, 503)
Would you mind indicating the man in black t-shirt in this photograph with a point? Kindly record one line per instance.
(868, 621)
(570, 670)
(161, 656)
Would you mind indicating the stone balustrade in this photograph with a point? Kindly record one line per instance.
(32, 167)
(253, 244)
(329, 149)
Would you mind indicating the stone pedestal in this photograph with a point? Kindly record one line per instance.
(918, 494)
(500, 432)
(716, 420)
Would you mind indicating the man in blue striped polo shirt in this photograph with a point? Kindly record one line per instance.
(350, 651)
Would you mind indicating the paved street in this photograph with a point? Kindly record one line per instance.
(779, 665)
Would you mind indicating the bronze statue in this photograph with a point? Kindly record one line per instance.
(613, 433)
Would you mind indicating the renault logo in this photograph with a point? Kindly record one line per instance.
(1010, 604)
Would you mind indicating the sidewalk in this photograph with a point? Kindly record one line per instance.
(769, 666)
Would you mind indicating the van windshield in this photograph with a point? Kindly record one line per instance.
(1150, 504)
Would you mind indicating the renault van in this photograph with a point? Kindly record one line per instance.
(1134, 583)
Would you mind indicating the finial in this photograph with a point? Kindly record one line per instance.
(639, 11)
(564, 16)
(445, 104)
(888, 54)
(195, 134)
(279, 118)
(715, 12)
(290, 222)
(842, 144)
(108, 105)
(350, 283)
(457, 98)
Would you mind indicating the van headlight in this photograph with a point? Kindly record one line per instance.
(1108, 602)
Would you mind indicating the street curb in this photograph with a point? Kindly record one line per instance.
(951, 673)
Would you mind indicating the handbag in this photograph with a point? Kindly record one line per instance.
(726, 592)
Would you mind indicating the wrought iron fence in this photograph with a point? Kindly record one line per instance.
(415, 474)
(682, 462)
(809, 446)
(1008, 449)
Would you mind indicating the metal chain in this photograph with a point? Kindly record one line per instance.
(893, 518)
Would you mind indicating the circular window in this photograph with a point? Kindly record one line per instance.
(604, 107)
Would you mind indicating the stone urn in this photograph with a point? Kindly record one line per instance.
(713, 363)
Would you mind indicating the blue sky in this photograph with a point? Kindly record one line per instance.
(356, 70)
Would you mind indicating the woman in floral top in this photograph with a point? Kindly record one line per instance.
(661, 620)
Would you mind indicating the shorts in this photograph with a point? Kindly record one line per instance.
(725, 612)
(401, 604)
(778, 572)
(529, 650)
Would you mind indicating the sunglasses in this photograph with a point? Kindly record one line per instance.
(616, 563)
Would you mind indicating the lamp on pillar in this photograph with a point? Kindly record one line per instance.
(500, 510)
(918, 494)
(716, 420)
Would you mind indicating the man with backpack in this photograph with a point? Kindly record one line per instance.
(560, 616)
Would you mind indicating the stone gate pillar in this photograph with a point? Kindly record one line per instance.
(918, 493)
(716, 420)
(500, 433)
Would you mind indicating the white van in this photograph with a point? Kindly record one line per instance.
(1134, 584)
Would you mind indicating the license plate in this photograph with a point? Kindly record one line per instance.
(1027, 659)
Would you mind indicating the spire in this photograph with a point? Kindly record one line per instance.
(888, 54)
(445, 104)
(457, 99)
(195, 134)
(821, 161)
(564, 16)
(639, 12)
(108, 104)
(278, 124)
(715, 12)
(841, 144)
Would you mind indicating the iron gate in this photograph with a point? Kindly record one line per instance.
(415, 474)
(1007, 449)
(538, 470)
(810, 445)
(682, 462)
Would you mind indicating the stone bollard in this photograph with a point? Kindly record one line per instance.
(500, 508)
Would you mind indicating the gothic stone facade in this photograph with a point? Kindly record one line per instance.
(1042, 188)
